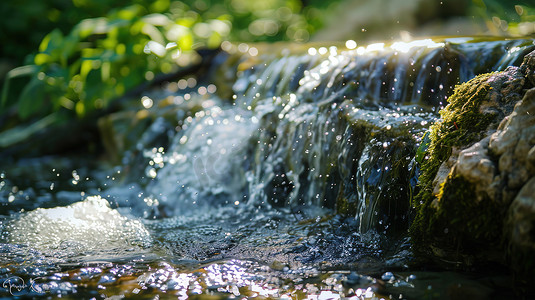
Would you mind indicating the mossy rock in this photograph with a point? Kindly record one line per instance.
(461, 125)
(464, 194)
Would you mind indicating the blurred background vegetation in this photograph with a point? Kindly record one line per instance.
(77, 55)
(64, 59)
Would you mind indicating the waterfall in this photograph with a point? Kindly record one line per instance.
(333, 129)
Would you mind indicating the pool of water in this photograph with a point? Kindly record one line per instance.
(62, 238)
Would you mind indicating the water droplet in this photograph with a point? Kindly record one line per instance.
(253, 51)
(351, 44)
(146, 102)
(243, 47)
(192, 82)
(387, 276)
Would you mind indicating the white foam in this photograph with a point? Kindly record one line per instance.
(88, 226)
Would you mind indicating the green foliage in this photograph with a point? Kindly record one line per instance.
(26, 22)
(515, 18)
(102, 58)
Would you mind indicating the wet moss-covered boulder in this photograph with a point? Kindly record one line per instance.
(476, 200)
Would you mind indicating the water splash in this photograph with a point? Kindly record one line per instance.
(89, 227)
(205, 164)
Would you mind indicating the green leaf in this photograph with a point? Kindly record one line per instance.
(52, 41)
(23, 132)
(17, 72)
(186, 42)
(422, 150)
(69, 47)
(31, 98)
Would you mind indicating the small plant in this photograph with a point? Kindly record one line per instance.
(101, 58)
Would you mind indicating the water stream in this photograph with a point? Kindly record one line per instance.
(297, 187)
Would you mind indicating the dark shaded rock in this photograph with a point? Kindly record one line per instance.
(477, 187)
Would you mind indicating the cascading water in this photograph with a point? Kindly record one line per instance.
(207, 161)
(337, 130)
(312, 163)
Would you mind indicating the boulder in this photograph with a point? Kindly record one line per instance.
(477, 185)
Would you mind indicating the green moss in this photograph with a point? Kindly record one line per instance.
(461, 221)
(461, 125)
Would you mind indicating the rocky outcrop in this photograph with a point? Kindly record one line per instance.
(478, 180)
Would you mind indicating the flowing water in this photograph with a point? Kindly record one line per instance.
(299, 187)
